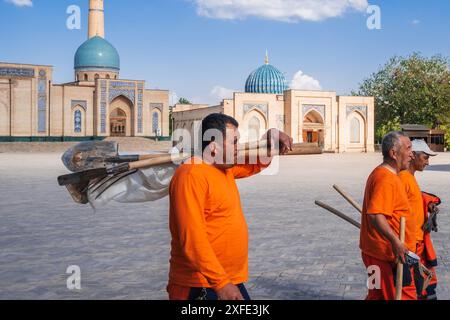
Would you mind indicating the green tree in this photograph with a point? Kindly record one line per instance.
(410, 90)
(184, 101)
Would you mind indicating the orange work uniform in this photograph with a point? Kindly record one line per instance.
(415, 201)
(208, 227)
(419, 202)
(385, 194)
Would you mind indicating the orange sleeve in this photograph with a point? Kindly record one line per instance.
(188, 203)
(247, 170)
(381, 198)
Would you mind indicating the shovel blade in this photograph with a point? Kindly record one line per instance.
(88, 155)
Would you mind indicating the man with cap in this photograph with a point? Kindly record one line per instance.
(421, 204)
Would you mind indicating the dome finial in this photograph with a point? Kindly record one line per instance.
(267, 57)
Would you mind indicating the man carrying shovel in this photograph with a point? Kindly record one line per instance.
(385, 203)
(209, 256)
(422, 203)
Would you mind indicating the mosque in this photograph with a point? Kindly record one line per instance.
(96, 104)
(336, 123)
(99, 104)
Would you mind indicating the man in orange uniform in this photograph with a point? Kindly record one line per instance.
(385, 202)
(209, 256)
(421, 203)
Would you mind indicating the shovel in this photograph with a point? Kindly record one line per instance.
(97, 154)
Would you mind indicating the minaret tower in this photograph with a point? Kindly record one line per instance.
(96, 19)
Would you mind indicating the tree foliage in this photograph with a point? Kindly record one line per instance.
(184, 101)
(410, 90)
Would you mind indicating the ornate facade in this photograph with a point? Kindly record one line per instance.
(335, 123)
(97, 104)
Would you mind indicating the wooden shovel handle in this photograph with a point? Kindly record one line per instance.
(399, 280)
(160, 160)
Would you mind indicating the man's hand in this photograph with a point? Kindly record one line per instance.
(281, 138)
(400, 250)
(229, 292)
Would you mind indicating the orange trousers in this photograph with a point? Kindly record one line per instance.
(386, 291)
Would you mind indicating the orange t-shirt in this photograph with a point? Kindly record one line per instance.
(415, 200)
(385, 195)
(208, 227)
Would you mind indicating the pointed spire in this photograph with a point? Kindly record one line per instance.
(267, 57)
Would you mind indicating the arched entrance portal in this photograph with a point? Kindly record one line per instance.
(313, 128)
(121, 117)
(118, 123)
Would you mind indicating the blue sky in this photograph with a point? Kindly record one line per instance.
(202, 49)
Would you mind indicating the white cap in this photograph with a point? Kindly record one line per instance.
(421, 146)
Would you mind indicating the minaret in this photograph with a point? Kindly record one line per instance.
(96, 19)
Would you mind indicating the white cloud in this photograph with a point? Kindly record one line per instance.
(302, 81)
(21, 3)
(415, 22)
(219, 93)
(281, 10)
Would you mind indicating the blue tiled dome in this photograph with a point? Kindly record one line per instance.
(97, 53)
(266, 79)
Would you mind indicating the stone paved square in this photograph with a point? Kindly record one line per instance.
(297, 250)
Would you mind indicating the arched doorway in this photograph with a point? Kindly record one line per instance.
(118, 123)
(121, 117)
(313, 128)
(254, 126)
(356, 132)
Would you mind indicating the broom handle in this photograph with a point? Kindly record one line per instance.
(347, 197)
(399, 282)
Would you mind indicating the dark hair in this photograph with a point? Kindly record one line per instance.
(216, 121)
(390, 140)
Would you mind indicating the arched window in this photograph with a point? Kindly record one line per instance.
(355, 127)
(97, 76)
(85, 77)
(107, 76)
(155, 122)
(77, 121)
(254, 126)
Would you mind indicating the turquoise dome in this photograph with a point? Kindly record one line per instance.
(97, 53)
(266, 79)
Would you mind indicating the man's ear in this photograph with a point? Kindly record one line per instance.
(393, 154)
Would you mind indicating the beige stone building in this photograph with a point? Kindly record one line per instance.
(96, 104)
(335, 123)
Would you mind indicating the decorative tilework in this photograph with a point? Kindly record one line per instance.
(361, 109)
(103, 106)
(261, 107)
(77, 121)
(140, 102)
(317, 107)
(42, 102)
(17, 72)
(158, 106)
(82, 103)
(119, 88)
